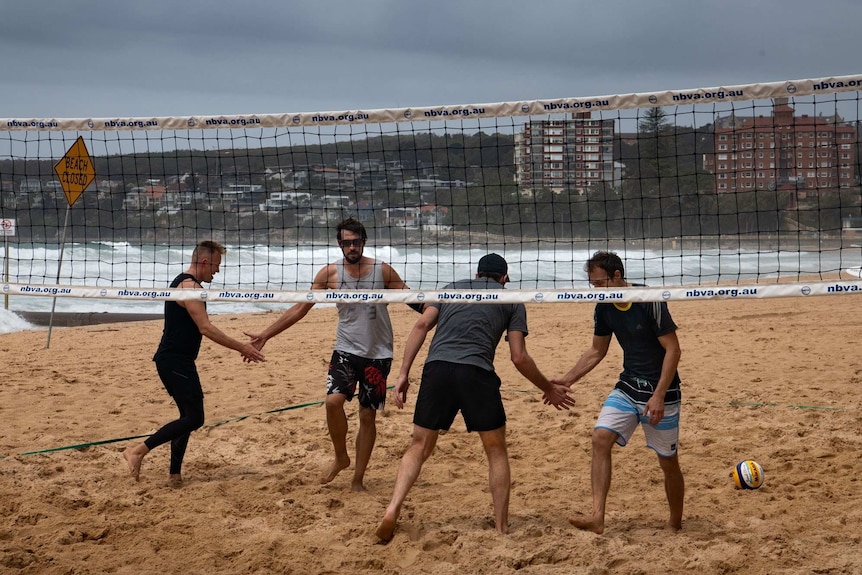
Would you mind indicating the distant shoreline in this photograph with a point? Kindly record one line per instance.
(76, 319)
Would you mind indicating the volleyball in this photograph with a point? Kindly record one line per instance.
(748, 474)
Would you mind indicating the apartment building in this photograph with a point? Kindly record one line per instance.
(783, 151)
(568, 154)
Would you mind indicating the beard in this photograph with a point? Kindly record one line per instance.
(353, 258)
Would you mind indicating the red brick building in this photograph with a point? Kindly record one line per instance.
(783, 151)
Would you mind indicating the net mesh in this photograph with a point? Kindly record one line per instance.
(743, 185)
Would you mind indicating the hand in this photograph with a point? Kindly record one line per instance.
(399, 392)
(257, 340)
(563, 382)
(558, 396)
(654, 409)
(251, 354)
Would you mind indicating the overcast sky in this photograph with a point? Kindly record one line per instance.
(117, 58)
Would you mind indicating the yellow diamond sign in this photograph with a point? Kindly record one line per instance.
(75, 170)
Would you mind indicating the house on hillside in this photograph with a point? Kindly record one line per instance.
(409, 218)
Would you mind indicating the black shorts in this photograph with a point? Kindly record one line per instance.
(449, 387)
(347, 370)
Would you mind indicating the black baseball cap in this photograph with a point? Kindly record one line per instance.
(493, 264)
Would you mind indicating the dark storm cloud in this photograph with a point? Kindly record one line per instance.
(99, 58)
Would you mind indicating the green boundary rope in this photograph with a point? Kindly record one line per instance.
(313, 403)
(116, 440)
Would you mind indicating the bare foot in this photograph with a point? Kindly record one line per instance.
(134, 456)
(335, 469)
(357, 486)
(175, 480)
(386, 530)
(674, 527)
(588, 523)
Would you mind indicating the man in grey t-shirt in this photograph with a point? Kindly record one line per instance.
(459, 376)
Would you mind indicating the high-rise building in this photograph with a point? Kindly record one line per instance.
(783, 151)
(565, 154)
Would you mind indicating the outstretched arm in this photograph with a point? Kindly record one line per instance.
(293, 314)
(198, 312)
(588, 360)
(553, 393)
(411, 348)
(391, 280)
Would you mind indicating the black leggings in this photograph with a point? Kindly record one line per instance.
(180, 378)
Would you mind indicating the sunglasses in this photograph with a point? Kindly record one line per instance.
(357, 243)
(600, 281)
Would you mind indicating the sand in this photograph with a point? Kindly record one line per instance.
(773, 380)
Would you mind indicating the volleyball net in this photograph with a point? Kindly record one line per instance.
(738, 191)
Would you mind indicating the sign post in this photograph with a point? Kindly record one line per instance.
(76, 172)
(7, 228)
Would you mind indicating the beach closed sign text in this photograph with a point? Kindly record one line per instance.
(75, 171)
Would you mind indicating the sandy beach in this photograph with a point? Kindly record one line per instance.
(773, 380)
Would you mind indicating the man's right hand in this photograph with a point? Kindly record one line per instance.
(558, 396)
(257, 340)
(399, 392)
(251, 353)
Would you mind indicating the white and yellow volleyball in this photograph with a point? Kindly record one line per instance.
(748, 474)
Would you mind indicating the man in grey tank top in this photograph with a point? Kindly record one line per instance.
(459, 376)
(363, 347)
